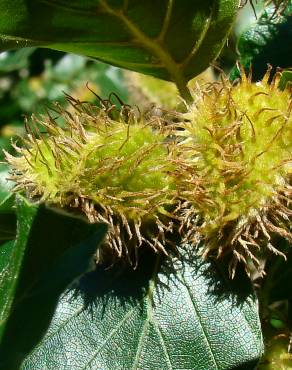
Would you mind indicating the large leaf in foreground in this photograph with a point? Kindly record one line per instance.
(7, 211)
(50, 251)
(11, 258)
(170, 39)
(5, 190)
(189, 317)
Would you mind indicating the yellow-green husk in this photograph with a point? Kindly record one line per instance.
(235, 175)
(107, 163)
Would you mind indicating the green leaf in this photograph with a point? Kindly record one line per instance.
(7, 211)
(7, 226)
(189, 316)
(5, 188)
(286, 78)
(6, 282)
(51, 251)
(169, 39)
(266, 42)
(11, 260)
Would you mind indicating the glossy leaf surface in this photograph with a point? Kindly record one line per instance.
(12, 255)
(51, 250)
(169, 39)
(7, 211)
(5, 188)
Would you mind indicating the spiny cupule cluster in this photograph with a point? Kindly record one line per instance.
(237, 155)
(108, 163)
(220, 175)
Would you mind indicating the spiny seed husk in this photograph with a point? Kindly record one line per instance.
(236, 160)
(114, 170)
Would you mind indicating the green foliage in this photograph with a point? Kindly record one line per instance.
(286, 79)
(34, 273)
(238, 140)
(141, 36)
(185, 316)
(182, 312)
(265, 41)
(42, 76)
(12, 257)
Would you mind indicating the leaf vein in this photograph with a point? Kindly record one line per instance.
(154, 47)
(193, 301)
(227, 284)
(163, 345)
(111, 334)
(149, 300)
(166, 21)
(203, 34)
(140, 344)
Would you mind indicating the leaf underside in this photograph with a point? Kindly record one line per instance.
(170, 39)
(187, 318)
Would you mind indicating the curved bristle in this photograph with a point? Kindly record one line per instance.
(238, 146)
(111, 165)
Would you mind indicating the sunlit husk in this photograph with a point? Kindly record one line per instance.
(108, 163)
(236, 159)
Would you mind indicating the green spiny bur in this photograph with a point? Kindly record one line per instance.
(115, 171)
(227, 180)
(238, 153)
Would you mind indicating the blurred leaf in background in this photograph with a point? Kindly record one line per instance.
(266, 40)
(31, 80)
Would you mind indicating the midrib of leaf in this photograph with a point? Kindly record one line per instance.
(64, 6)
(111, 334)
(166, 22)
(198, 44)
(170, 367)
(149, 299)
(154, 45)
(150, 318)
(192, 299)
